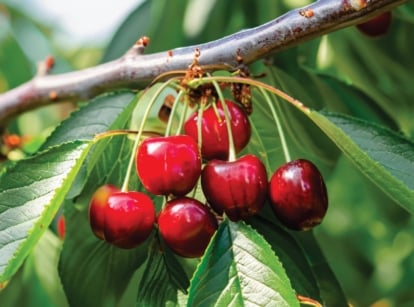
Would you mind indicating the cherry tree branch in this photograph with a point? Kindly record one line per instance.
(136, 70)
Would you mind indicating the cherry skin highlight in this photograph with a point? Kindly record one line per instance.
(237, 188)
(186, 226)
(97, 207)
(298, 195)
(215, 138)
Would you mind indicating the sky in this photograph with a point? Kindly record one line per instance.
(82, 21)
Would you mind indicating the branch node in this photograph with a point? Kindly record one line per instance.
(138, 48)
(44, 67)
(355, 5)
(308, 13)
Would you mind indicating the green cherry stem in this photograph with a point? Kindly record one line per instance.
(200, 123)
(232, 151)
(183, 115)
(278, 124)
(116, 132)
(173, 111)
(139, 135)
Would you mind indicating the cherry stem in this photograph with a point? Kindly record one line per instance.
(173, 111)
(200, 123)
(183, 115)
(232, 151)
(140, 131)
(278, 124)
(115, 132)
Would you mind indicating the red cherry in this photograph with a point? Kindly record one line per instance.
(376, 26)
(61, 227)
(97, 207)
(237, 188)
(298, 195)
(129, 219)
(124, 219)
(215, 140)
(169, 165)
(186, 226)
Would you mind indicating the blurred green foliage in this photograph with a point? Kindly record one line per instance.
(367, 238)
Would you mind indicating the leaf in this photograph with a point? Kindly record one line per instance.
(331, 291)
(108, 111)
(239, 268)
(38, 278)
(162, 277)
(30, 195)
(385, 157)
(291, 254)
(96, 117)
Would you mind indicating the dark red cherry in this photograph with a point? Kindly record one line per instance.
(238, 188)
(169, 165)
(124, 219)
(376, 26)
(215, 140)
(298, 195)
(186, 226)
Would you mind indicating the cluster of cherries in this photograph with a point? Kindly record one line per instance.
(171, 166)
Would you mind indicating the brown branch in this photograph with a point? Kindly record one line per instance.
(135, 70)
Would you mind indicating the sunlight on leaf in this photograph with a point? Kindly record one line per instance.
(30, 195)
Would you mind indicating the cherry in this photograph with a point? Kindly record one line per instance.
(298, 195)
(168, 165)
(215, 140)
(186, 226)
(376, 26)
(124, 219)
(237, 188)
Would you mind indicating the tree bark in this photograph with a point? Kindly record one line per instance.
(136, 70)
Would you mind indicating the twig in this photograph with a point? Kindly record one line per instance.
(135, 70)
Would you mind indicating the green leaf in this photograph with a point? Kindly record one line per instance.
(331, 291)
(291, 254)
(385, 157)
(108, 111)
(96, 117)
(30, 195)
(240, 268)
(38, 278)
(162, 277)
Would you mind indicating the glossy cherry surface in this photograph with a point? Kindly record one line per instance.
(298, 195)
(168, 165)
(376, 26)
(97, 207)
(124, 219)
(186, 226)
(238, 188)
(215, 140)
